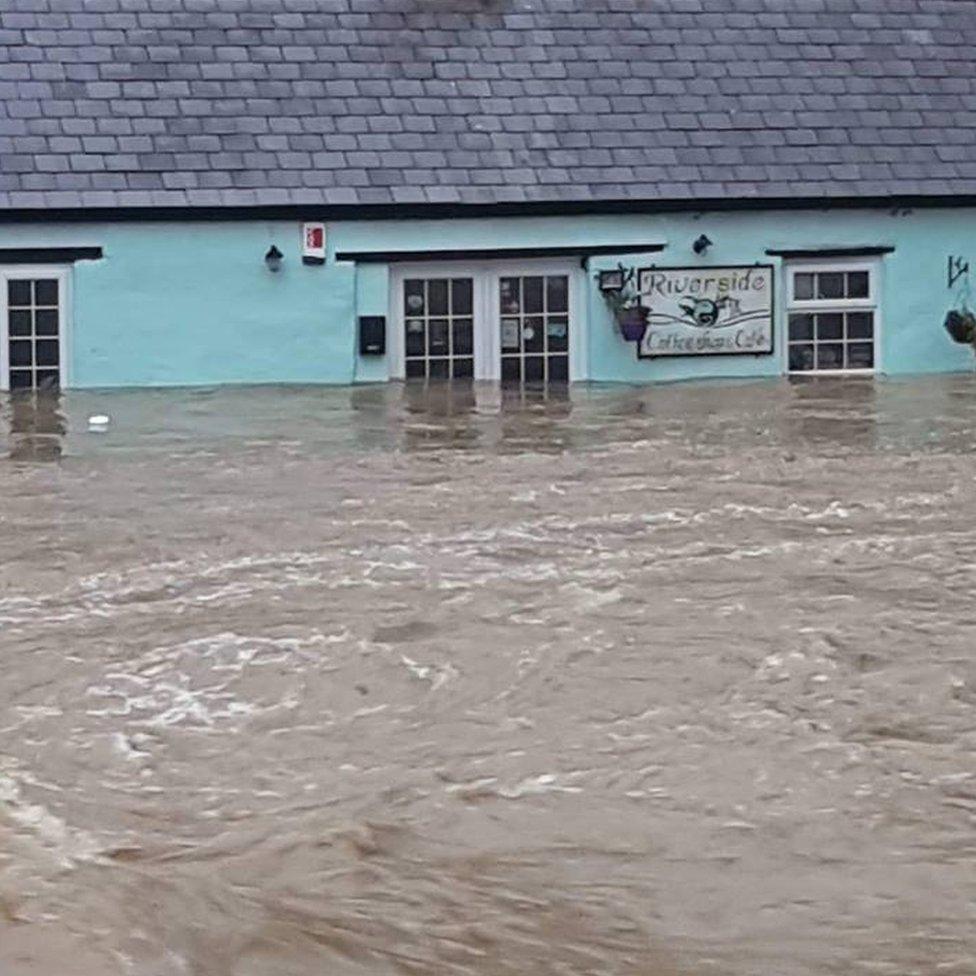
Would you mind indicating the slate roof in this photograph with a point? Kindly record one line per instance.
(136, 103)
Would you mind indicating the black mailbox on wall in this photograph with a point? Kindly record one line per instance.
(372, 335)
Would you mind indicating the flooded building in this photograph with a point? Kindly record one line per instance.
(241, 191)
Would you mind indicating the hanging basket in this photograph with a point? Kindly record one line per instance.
(961, 325)
(632, 323)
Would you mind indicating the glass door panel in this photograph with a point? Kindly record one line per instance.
(438, 324)
(534, 328)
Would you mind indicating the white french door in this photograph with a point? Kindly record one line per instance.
(532, 312)
(438, 327)
(33, 327)
(511, 322)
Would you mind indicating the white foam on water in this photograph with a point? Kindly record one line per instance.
(41, 830)
(437, 674)
(536, 785)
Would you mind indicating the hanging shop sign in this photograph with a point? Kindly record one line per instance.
(707, 311)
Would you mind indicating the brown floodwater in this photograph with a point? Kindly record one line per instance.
(671, 681)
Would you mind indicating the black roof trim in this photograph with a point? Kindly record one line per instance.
(443, 211)
(492, 253)
(830, 252)
(47, 255)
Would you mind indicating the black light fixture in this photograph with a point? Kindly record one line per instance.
(613, 280)
(273, 259)
(701, 245)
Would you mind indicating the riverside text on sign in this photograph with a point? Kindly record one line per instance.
(707, 311)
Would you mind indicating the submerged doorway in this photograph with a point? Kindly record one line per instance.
(492, 322)
(32, 328)
(438, 328)
(534, 328)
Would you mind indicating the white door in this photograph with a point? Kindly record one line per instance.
(511, 322)
(33, 339)
(437, 325)
(531, 310)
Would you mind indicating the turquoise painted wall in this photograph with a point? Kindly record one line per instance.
(372, 298)
(192, 303)
(914, 293)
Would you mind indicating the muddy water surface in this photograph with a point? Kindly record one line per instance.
(661, 682)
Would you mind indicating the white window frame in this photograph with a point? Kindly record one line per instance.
(487, 317)
(20, 272)
(870, 304)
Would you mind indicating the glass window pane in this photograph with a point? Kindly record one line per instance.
(830, 355)
(413, 297)
(463, 337)
(559, 369)
(801, 327)
(461, 296)
(532, 295)
(830, 284)
(437, 296)
(463, 368)
(21, 352)
(416, 369)
(21, 379)
(801, 358)
(18, 293)
(510, 334)
(830, 325)
(511, 368)
(557, 293)
(46, 352)
(437, 337)
(46, 321)
(557, 330)
(803, 286)
(533, 335)
(439, 369)
(19, 321)
(857, 284)
(415, 337)
(508, 289)
(46, 291)
(534, 369)
(860, 325)
(46, 379)
(860, 355)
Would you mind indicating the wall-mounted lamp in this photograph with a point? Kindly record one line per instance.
(613, 280)
(702, 244)
(273, 259)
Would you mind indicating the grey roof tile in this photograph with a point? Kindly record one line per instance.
(248, 102)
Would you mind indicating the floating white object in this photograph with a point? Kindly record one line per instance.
(99, 420)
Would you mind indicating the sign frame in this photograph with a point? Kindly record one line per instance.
(704, 269)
